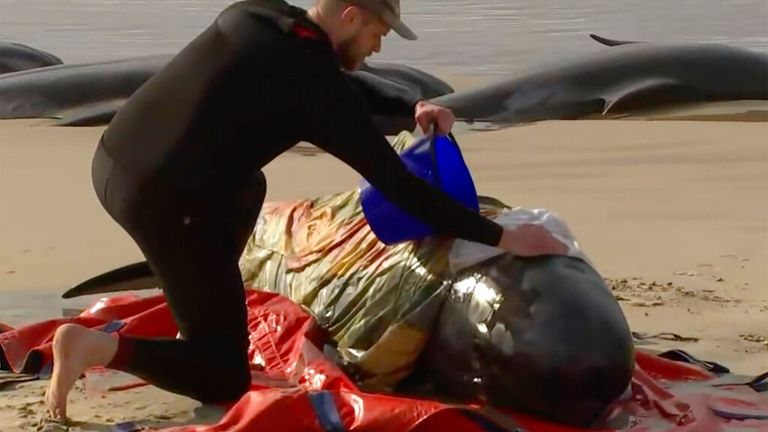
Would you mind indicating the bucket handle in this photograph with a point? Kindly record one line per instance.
(433, 153)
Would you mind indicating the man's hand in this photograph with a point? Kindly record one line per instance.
(428, 114)
(531, 240)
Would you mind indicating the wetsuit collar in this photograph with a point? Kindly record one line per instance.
(306, 28)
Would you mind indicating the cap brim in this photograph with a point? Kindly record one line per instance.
(399, 27)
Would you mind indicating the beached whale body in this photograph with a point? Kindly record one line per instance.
(90, 94)
(419, 82)
(538, 335)
(625, 78)
(78, 94)
(541, 335)
(16, 57)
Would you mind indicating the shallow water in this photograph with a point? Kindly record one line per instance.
(467, 37)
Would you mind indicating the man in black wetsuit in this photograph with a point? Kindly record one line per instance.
(179, 168)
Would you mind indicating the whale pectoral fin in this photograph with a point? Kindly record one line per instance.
(90, 115)
(636, 93)
(610, 42)
(133, 277)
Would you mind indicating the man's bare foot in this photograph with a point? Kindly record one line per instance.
(75, 349)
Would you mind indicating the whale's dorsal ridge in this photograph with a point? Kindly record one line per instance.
(610, 42)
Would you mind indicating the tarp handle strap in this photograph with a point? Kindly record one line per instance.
(680, 355)
(326, 411)
(760, 383)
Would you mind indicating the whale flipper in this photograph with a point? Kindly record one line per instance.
(610, 42)
(634, 93)
(137, 276)
(97, 114)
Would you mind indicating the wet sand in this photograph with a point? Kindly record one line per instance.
(673, 213)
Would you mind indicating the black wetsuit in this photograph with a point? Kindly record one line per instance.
(179, 169)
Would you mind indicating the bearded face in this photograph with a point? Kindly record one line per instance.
(364, 39)
(351, 53)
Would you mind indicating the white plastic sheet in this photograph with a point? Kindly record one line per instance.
(466, 253)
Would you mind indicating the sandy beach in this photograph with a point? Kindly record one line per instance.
(673, 213)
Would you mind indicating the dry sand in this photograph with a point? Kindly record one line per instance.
(673, 213)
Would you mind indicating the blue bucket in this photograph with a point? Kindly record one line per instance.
(438, 161)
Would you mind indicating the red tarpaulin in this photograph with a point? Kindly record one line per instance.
(297, 389)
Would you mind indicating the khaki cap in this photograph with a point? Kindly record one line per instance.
(389, 12)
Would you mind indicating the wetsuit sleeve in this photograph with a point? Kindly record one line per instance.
(341, 124)
(383, 96)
